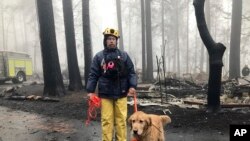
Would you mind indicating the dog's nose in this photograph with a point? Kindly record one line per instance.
(135, 132)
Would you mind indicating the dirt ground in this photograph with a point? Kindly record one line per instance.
(187, 124)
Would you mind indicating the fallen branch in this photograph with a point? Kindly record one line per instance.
(193, 102)
(234, 105)
(231, 105)
(32, 98)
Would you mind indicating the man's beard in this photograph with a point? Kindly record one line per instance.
(112, 47)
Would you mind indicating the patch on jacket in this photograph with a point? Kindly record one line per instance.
(114, 68)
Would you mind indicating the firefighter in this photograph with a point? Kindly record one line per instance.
(116, 77)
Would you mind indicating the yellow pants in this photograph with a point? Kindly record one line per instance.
(114, 113)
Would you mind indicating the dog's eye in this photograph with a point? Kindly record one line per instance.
(133, 121)
(141, 121)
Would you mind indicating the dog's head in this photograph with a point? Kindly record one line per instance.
(139, 122)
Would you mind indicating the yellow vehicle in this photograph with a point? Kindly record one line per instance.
(15, 66)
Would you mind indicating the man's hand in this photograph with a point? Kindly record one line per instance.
(131, 92)
(90, 95)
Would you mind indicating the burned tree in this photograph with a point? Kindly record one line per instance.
(86, 38)
(75, 83)
(144, 75)
(149, 51)
(215, 52)
(53, 84)
(119, 18)
(234, 58)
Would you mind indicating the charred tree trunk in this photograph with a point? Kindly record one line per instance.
(53, 84)
(149, 41)
(144, 73)
(215, 51)
(177, 38)
(129, 28)
(86, 38)
(75, 83)
(119, 17)
(234, 64)
(187, 65)
(163, 42)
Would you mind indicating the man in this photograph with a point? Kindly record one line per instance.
(114, 72)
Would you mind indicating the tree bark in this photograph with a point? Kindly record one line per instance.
(215, 51)
(187, 65)
(234, 64)
(53, 84)
(144, 66)
(75, 83)
(163, 42)
(86, 38)
(149, 41)
(177, 37)
(119, 18)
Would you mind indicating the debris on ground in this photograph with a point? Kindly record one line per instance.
(12, 93)
(189, 93)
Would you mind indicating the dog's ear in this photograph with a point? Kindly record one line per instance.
(130, 121)
(149, 120)
(165, 119)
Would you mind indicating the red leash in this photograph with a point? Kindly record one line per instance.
(94, 102)
(135, 110)
(135, 103)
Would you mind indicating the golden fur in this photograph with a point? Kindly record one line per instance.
(148, 127)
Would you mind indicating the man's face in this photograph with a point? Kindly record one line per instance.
(111, 42)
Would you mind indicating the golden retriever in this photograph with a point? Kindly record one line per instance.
(148, 127)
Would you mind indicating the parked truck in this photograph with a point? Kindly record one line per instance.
(15, 66)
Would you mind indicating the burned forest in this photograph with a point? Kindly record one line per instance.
(190, 60)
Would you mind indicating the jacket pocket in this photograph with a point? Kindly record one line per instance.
(124, 86)
(104, 86)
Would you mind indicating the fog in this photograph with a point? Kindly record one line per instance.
(20, 32)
